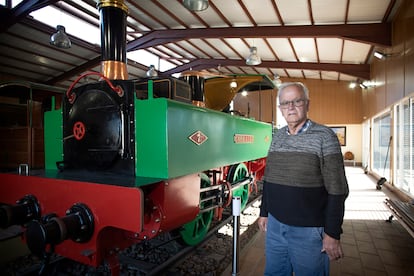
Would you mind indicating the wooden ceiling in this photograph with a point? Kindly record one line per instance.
(311, 39)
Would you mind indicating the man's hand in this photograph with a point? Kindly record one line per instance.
(332, 247)
(262, 222)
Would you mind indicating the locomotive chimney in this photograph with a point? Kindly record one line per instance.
(113, 15)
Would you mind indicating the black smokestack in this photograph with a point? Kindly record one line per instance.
(113, 15)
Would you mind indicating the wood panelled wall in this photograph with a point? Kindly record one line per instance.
(394, 75)
(331, 102)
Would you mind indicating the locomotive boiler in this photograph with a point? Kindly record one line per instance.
(126, 159)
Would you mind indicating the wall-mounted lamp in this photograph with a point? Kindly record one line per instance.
(196, 5)
(380, 55)
(152, 73)
(352, 85)
(244, 93)
(233, 84)
(362, 86)
(369, 83)
(253, 58)
(60, 39)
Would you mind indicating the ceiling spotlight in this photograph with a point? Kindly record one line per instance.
(277, 81)
(152, 73)
(60, 39)
(196, 5)
(233, 84)
(253, 58)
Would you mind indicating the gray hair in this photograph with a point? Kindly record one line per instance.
(299, 85)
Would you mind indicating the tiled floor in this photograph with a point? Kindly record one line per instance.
(371, 245)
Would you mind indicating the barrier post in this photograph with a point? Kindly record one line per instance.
(236, 206)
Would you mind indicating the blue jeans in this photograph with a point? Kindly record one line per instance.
(294, 249)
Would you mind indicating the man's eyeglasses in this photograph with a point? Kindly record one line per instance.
(297, 103)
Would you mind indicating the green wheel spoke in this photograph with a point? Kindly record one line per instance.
(236, 173)
(194, 231)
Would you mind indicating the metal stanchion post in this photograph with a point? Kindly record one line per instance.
(24, 169)
(236, 204)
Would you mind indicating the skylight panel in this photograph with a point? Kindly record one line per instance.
(14, 3)
(77, 27)
(146, 58)
(74, 26)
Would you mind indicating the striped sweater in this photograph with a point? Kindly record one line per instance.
(304, 181)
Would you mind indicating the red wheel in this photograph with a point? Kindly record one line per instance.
(230, 196)
(79, 130)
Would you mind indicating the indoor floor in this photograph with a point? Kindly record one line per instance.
(372, 246)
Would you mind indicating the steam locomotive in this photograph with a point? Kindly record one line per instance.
(128, 159)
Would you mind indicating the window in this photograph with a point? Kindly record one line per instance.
(381, 135)
(366, 129)
(403, 144)
(400, 128)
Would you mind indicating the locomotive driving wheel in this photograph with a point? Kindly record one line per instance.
(194, 231)
(237, 173)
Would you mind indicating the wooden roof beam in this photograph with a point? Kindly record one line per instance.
(361, 71)
(377, 34)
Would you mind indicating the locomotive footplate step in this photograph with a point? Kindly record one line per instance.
(101, 177)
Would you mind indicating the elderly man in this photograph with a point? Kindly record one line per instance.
(304, 192)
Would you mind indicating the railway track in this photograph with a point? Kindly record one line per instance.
(214, 255)
(164, 255)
